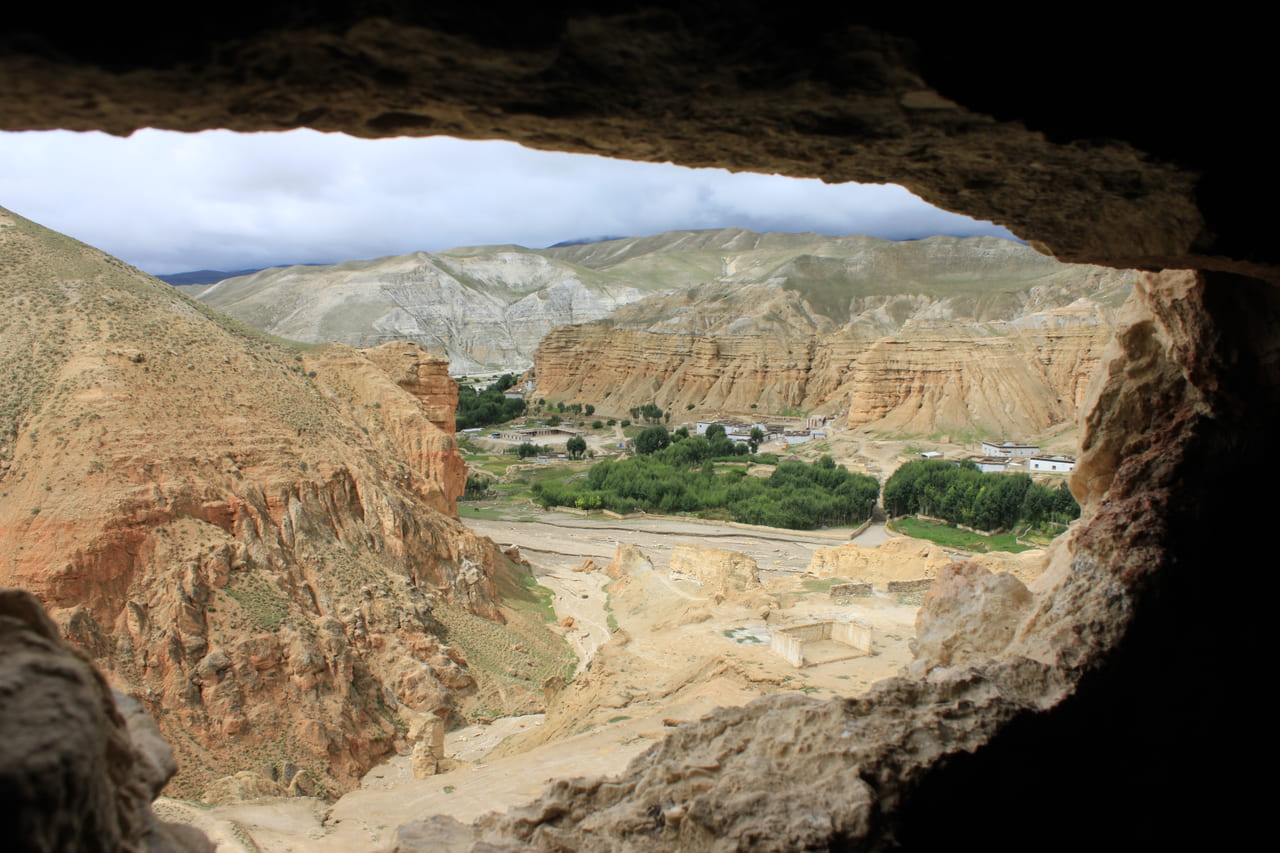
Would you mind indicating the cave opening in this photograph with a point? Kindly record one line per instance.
(1178, 434)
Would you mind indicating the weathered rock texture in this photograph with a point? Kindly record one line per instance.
(248, 538)
(1130, 145)
(483, 308)
(79, 767)
(968, 616)
(728, 574)
(628, 560)
(899, 559)
(933, 335)
(1102, 171)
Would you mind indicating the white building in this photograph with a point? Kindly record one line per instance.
(1052, 463)
(1008, 449)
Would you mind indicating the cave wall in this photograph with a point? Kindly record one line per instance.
(1116, 713)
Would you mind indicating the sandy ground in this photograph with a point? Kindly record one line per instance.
(553, 540)
(679, 656)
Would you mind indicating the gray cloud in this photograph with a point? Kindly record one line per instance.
(169, 202)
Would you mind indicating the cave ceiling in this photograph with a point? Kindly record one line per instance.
(1100, 142)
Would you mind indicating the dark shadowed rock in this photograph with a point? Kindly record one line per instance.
(79, 766)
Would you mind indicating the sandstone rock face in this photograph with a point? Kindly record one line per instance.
(483, 309)
(628, 560)
(898, 559)
(249, 539)
(1026, 566)
(909, 337)
(78, 769)
(242, 787)
(969, 615)
(724, 573)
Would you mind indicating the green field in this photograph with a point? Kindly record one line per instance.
(953, 537)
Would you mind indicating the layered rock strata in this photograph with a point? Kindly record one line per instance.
(483, 309)
(1131, 162)
(250, 538)
(900, 558)
(723, 574)
(908, 337)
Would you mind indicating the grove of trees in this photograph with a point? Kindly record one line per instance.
(681, 477)
(961, 494)
(479, 409)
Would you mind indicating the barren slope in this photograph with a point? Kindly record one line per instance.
(249, 536)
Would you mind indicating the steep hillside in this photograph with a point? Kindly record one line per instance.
(483, 308)
(248, 535)
(488, 307)
(918, 337)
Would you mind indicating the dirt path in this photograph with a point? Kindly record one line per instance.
(579, 596)
(553, 540)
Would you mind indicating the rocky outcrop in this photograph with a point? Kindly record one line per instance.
(628, 560)
(248, 538)
(905, 336)
(968, 616)
(79, 766)
(727, 574)
(898, 559)
(1065, 153)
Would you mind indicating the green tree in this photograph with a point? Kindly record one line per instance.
(653, 439)
(576, 446)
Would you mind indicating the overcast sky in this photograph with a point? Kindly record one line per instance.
(171, 202)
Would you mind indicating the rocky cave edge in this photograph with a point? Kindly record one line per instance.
(1117, 712)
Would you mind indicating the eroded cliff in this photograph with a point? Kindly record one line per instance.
(247, 535)
(934, 335)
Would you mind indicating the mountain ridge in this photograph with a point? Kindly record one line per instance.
(486, 308)
(255, 538)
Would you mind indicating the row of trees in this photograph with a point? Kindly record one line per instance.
(482, 408)
(650, 413)
(682, 478)
(961, 494)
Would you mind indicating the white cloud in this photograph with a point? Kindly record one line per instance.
(168, 202)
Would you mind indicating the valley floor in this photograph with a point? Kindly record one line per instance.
(677, 656)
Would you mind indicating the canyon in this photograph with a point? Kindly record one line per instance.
(976, 336)
(1086, 723)
(258, 540)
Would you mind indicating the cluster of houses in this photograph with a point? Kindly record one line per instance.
(739, 432)
(1011, 457)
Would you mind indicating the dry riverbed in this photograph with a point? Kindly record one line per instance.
(677, 655)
